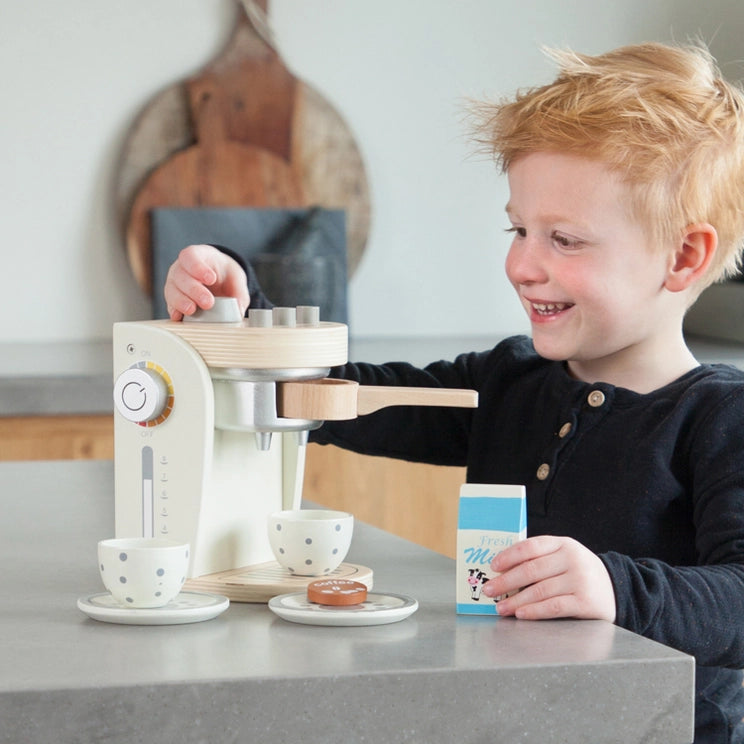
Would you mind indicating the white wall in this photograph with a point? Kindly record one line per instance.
(76, 73)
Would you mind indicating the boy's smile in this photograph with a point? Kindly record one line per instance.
(590, 280)
(544, 310)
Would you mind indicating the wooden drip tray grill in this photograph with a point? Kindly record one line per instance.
(263, 581)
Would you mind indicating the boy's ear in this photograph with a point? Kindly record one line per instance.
(692, 256)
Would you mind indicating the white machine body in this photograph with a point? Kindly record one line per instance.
(192, 470)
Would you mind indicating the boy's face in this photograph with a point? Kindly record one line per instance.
(585, 272)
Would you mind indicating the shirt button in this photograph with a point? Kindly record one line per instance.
(596, 398)
(565, 430)
(543, 471)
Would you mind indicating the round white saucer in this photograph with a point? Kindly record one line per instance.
(187, 607)
(377, 609)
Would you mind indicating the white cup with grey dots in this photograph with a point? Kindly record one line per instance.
(143, 571)
(310, 542)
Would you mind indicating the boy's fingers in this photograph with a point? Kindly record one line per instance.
(199, 274)
(539, 600)
(195, 261)
(524, 550)
(539, 570)
(185, 301)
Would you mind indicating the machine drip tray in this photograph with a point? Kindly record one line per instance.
(261, 582)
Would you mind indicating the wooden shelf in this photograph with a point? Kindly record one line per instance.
(57, 438)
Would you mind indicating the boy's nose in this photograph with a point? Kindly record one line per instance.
(524, 265)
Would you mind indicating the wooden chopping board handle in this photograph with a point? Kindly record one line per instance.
(339, 400)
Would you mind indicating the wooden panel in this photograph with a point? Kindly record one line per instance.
(417, 502)
(57, 438)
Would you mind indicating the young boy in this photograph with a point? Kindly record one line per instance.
(626, 178)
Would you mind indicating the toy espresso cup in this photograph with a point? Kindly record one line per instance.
(143, 571)
(310, 542)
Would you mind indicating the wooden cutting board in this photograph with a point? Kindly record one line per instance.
(244, 131)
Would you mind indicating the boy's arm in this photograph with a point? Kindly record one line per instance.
(699, 608)
(696, 609)
(404, 432)
(434, 435)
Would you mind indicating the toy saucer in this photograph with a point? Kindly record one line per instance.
(377, 609)
(187, 607)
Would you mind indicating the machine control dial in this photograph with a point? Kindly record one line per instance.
(142, 394)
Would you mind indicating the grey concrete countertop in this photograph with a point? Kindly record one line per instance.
(249, 676)
(75, 378)
(72, 378)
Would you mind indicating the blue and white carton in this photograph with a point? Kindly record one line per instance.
(491, 517)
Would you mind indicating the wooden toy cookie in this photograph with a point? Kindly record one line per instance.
(337, 592)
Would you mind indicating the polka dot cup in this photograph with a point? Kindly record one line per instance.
(143, 571)
(310, 542)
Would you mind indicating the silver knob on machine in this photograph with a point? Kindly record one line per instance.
(140, 395)
(224, 310)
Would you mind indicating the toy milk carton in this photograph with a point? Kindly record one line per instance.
(490, 518)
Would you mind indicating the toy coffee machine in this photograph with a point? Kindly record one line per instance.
(212, 416)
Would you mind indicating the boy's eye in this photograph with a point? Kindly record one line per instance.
(517, 230)
(563, 241)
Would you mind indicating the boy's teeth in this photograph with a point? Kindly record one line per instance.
(550, 307)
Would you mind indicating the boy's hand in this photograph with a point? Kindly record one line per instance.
(199, 274)
(561, 578)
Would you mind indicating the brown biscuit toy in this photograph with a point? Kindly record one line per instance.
(337, 592)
